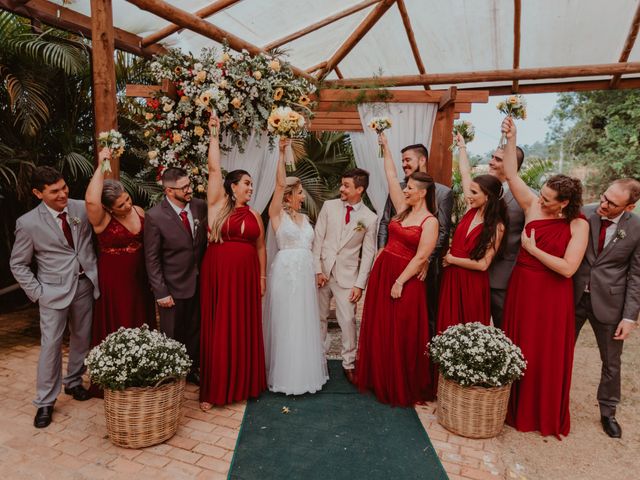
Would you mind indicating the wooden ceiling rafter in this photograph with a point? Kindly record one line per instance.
(196, 24)
(338, 72)
(557, 87)
(517, 17)
(406, 20)
(173, 28)
(628, 45)
(322, 23)
(361, 30)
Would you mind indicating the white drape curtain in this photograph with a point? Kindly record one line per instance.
(411, 123)
(261, 163)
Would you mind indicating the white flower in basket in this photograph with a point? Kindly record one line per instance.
(143, 374)
(477, 363)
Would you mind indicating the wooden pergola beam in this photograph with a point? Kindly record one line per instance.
(322, 23)
(628, 45)
(411, 37)
(196, 24)
(556, 87)
(338, 72)
(490, 75)
(517, 15)
(71, 21)
(173, 28)
(362, 29)
(315, 67)
(399, 96)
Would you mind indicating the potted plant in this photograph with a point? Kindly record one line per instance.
(477, 365)
(143, 375)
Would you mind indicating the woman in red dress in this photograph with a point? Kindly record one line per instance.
(233, 279)
(125, 296)
(539, 308)
(465, 295)
(392, 362)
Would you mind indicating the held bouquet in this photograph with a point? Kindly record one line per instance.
(380, 124)
(136, 357)
(474, 354)
(113, 141)
(288, 123)
(464, 128)
(515, 107)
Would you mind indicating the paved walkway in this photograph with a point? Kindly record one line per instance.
(76, 446)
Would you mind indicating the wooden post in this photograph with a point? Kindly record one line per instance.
(440, 156)
(103, 74)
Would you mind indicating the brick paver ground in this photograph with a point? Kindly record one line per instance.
(75, 445)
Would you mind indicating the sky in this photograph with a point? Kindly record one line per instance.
(486, 119)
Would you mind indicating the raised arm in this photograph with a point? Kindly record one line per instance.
(485, 262)
(395, 192)
(215, 190)
(93, 196)
(567, 265)
(275, 209)
(521, 192)
(464, 166)
(427, 243)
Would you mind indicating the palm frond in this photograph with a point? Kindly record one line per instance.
(535, 172)
(76, 164)
(51, 49)
(142, 192)
(29, 99)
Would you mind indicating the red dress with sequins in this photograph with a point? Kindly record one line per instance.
(392, 360)
(232, 365)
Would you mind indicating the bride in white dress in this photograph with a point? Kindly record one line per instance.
(294, 353)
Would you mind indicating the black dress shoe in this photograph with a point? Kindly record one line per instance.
(78, 393)
(194, 377)
(43, 417)
(611, 426)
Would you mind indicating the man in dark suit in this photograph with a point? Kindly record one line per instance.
(607, 286)
(416, 158)
(500, 269)
(175, 237)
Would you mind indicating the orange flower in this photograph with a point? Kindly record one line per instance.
(278, 93)
(304, 100)
(236, 102)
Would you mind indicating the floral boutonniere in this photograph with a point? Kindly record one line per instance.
(75, 221)
(360, 226)
(620, 234)
(196, 224)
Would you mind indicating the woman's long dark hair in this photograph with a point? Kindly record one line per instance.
(495, 213)
(225, 212)
(424, 182)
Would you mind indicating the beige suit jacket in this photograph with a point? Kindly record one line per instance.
(346, 251)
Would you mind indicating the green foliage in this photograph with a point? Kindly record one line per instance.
(599, 130)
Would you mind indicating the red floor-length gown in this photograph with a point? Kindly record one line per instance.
(465, 295)
(125, 296)
(392, 360)
(539, 318)
(232, 366)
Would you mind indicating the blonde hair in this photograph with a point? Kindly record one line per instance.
(292, 183)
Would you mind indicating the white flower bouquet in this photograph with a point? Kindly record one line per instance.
(515, 107)
(380, 124)
(464, 128)
(113, 141)
(136, 357)
(285, 122)
(474, 354)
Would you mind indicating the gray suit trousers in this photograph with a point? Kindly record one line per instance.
(52, 326)
(610, 354)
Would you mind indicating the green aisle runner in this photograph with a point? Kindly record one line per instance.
(334, 434)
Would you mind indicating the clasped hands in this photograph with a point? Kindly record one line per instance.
(354, 296)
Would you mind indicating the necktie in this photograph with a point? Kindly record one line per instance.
(603, 233)
(185, 222)
(66, 229)
(347, 217)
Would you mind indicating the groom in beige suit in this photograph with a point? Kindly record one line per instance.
(343, 250)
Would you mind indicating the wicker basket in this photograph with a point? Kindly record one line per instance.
(141, 417)
(474, 412)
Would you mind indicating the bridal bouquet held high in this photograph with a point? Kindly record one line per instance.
(515, 107)
(286, 123)
(115, 143)
(380, 124)
(464, 128)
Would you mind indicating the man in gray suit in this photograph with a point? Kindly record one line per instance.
(416, 158)
(175, 236)
(607, 286)
(58, 236)
(501, 267)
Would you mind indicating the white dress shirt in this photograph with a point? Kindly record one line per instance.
(55, 213)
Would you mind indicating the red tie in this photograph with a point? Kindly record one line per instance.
(347, 217)
(185, 221)
(603, 233)
(66, 229)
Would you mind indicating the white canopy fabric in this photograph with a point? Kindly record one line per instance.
(451, 35)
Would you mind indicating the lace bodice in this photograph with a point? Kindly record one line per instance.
(116, 239)
(290, 235)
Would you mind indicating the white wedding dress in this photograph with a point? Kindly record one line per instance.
(294, 353)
